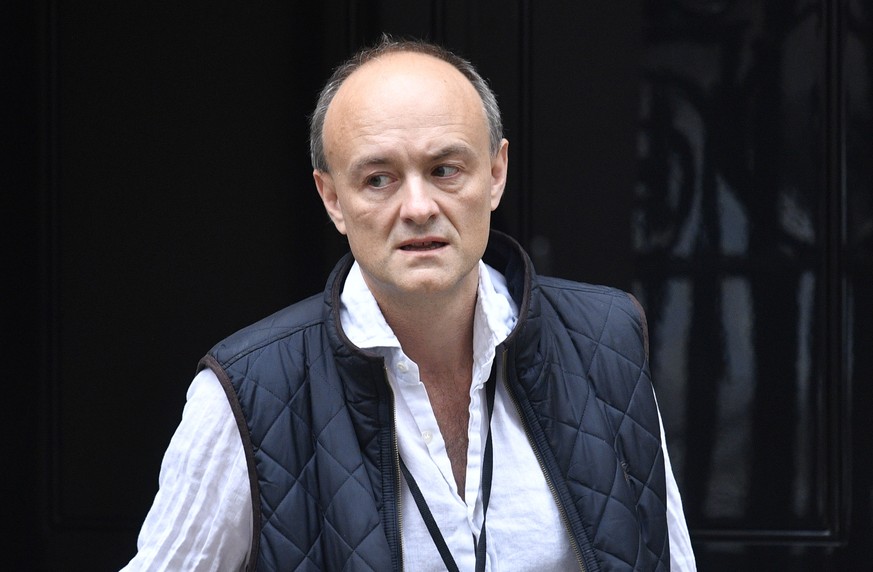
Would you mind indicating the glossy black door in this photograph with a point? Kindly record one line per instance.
(713, 156)
(748, 250)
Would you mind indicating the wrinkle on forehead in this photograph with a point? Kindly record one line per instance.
(406, 96)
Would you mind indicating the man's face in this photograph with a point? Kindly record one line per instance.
(412, 180)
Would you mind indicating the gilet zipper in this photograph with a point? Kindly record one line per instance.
(398, 491)
(561, 509)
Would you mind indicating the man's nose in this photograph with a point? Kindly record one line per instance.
(418, 204)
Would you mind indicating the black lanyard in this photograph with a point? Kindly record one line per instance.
(487, 469)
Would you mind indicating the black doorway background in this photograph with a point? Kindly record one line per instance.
(712, 156)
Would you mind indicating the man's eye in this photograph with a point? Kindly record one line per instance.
(445, 171)
(378, 181)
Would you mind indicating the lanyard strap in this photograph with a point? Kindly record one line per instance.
(487, 469)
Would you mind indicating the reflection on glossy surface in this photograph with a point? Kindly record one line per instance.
(731, 234)
(754, 239)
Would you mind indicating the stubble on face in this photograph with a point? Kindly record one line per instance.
(406, 120)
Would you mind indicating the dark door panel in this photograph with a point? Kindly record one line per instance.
(713, 157)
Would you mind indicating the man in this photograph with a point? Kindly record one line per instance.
(439, 406)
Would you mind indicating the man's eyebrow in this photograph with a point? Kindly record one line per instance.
(366, 162)
(455, 149)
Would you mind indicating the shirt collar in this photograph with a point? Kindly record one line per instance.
(363, 323)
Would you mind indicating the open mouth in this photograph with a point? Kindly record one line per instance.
(426, 245)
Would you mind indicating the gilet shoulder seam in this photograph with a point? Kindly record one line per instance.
(270, 341)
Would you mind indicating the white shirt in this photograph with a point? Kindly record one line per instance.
(201, 517)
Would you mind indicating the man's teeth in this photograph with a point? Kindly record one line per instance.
(422, 246)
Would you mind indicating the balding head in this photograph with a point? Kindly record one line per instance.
(386, 47)
(410, 176)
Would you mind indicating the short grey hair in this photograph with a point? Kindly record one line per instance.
(388, 45)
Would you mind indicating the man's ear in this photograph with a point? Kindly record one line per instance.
(499, 166)
(327, 191)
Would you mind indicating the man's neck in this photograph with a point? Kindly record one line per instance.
(438, 337)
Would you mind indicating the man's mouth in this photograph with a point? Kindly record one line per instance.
(424, 245)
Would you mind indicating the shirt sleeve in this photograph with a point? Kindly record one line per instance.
(201, 518)
(681, 552)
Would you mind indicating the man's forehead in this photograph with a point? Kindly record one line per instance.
(392, 76)
(403, 95)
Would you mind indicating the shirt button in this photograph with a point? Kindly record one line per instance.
(402, 367)
(427, 436)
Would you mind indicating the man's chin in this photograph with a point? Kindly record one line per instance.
(434, 284)
(421, 282)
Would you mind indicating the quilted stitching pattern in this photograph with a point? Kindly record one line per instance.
(613, 423)
(585, 393)
(317, 501)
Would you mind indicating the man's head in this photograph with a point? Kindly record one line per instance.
(411, 172)
(389, 46)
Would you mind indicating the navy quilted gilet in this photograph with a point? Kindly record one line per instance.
(316, 419)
